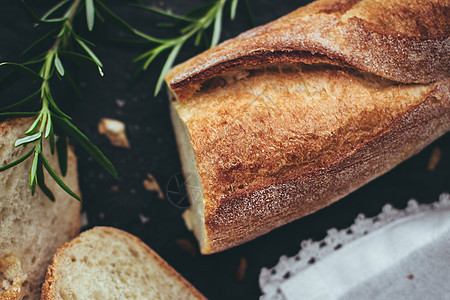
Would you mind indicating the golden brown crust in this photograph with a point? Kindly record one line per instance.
(49, 288)
(402, 40)
(7, 124)
(240, 217)
(277, 144)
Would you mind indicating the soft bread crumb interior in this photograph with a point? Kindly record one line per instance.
(105, 263)
(195, 215)
(32, 227)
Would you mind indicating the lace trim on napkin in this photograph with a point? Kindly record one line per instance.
(270, 279)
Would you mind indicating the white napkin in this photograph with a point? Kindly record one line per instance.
(404, 255)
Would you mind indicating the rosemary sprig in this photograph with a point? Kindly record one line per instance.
(50, 118)
(194, 24)
(51, 125)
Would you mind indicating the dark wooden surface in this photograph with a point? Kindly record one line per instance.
(153, 150)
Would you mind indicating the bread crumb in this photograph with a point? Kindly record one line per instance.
(242, 267)
(410, 276)
(150, 184)
(114, 131)
(114, 188)
(120, 102)
(434, 159)
(144, 219)
(84, 220)
(187, 247)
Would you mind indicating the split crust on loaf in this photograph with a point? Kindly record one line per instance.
(90, 250)
(31, 227)
(291, 116)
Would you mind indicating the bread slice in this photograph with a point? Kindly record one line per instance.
(31, 227)
(107, 263)
(288, 118)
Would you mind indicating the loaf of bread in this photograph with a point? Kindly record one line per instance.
(31, 227)
(107, 263)
(290, 117)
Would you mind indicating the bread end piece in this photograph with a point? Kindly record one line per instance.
(32, 227)
(108, 263)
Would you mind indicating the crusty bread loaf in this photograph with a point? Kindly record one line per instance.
(107, 263)
(31, 227)
(291, 116)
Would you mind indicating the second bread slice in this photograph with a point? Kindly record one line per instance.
(108, 263)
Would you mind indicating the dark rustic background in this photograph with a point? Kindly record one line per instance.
(153, 150)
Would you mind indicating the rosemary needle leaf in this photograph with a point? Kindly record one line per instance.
(116, 19)
(109, 13)
(191, 26)
(198, 38)
(22, 69)
(34, 125)
(90, 14)
(61, 150)
(21, 102)
(33, 174)
(148, 37)
(76, 36)
(217, 26)
(37, 60)
(169, 63)
(100, 70)
(52, 141)
(57, 178)
(73, 85)
(152, 54)
(166, 24)
(53, 104)
(234, 4)
(150, 59)
(28, 139)
(201, 10)
(30, 12)
(48, 127)
(93, 150)
(41, 182)
(36, 19)
(145, 55)
(54, 9)
(16, 162)
(59, 66)
(164, 13)
(89, 51)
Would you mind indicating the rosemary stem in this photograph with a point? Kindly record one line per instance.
(47, 66)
